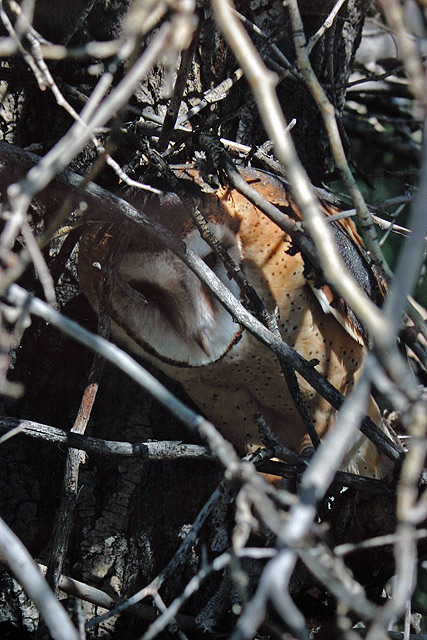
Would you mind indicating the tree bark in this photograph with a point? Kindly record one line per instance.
(132, 515)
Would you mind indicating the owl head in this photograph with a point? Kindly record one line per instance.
(159, 307)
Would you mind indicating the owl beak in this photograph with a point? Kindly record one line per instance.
(203, 343)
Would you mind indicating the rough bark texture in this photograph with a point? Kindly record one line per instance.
(132, 516)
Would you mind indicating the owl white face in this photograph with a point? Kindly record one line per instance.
(181, 321)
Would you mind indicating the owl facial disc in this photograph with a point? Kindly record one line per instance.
(176, 317)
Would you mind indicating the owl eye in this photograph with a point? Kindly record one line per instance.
(147, 289)
(211, 260)
(155, 294)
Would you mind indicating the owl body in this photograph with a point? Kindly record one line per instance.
(162, 312)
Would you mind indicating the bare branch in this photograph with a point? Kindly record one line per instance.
(27, 573)
(163, 450)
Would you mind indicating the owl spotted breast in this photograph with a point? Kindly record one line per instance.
(162, 312)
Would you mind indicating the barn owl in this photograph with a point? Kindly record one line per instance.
(162, 312)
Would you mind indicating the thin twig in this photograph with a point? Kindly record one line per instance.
(28, 575)
(170, 613)
(408, 48)
(259, 32)
(101, 599)
(327, 24)
(177, 559)
(372, 543)
(211, 96)
(329, 118)
(175, 101)
(78, 135)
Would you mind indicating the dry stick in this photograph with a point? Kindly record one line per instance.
(418, 315)
(28, 575)
(392, 635)
(267, 38)
(79, 22)
(100, 50)
(394, 228)
(213, 95)
(371, 543)
(143, 16)
(220, 563)
(273, 584)
(328, 113)
(163, 450)
(176, 450)
(161, 607)
(333, 573)
(33, 251)
(180, 84)
(327, 24)
(270, 440)
(75, 139)
(245, 522)
(341, 478)
(375, 77)
(70, 488)
(58, 264)
(64, 519)
(409, 49)
(99, 598)
(209, 615)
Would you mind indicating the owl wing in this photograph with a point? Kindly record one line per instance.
(350, 247)
(355, 258)
(349, 244)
